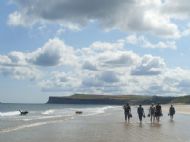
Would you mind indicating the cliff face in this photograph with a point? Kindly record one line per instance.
(109, 100)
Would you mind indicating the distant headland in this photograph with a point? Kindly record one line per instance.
(116, 99)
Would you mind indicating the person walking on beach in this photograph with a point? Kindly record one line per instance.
(127, 112)
(140, 112)
(158, 112)
(152, 113)
(171, 112)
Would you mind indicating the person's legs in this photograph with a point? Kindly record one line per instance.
(151, 117)
(128, 116)
(125, 115)
(158, 118)
(140, 117)
(171, 117)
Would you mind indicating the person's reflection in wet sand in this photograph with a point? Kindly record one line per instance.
(171, 122)
(156, 125)
(140, 125)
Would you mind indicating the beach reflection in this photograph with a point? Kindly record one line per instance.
(156, 125)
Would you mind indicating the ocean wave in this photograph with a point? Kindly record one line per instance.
(11, 113)
(47, 112)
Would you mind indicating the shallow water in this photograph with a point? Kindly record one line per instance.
(41, 114)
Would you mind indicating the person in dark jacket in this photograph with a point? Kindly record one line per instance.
(158, 112)
(127, 112)
(140, 112)
(171, 112)
(152, 113)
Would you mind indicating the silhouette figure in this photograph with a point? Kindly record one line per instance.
(127, 112)
(158, 112)
(171, 112)
(140, 112)
(152, 113)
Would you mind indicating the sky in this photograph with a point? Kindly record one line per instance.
(62, 47)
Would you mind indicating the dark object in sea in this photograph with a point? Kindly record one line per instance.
(23, 112)
(78, 112)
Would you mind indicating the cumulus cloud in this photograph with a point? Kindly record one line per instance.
(91, 82)
(178, 9)
(145, 43)
(14, 64)
(106, 68)
(20, 72)
(111, 56)
(60, 81)
(101, 82)
(102, 67)
(126, 15)
(125, 59)
(89, 66)
(109, 77)
(21, 65)
(149, 66)
(53, 53)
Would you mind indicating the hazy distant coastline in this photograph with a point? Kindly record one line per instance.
(116, 99)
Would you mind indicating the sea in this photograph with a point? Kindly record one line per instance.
(42, 114)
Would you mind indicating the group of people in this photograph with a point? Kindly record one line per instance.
(155, 112)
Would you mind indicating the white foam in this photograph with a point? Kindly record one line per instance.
(11, 113)
(47, 112)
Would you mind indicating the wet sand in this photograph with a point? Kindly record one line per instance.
(108, 127)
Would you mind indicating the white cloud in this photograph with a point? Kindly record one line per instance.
(132, 39)
(109, 77)
(122, 59)
(60, 81)
(21, 65)
(20, 72)
(152, 16)
(53, 53)
(149, 66)
(89, 66)
(145, 43)
(102, 67)
(178, 9)
(16, 19)
(15, 65)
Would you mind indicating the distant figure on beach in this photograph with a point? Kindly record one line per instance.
(171, 112)
(158, 112)
(152, 112)
(140, 112)
(127, 112)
